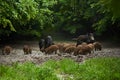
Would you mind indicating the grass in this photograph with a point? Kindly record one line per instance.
(66, 69)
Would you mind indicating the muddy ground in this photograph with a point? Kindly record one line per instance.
(37, 57)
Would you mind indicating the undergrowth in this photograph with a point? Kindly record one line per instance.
(66, 69)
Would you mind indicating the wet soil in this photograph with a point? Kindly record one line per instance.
(37, 57)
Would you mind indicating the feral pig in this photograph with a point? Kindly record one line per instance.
(42, 49)
(79, 47)
(77, 50)
(78, 42)
(85, 50)
(97, 45)
(70, 49)
(83, 43)
(91, 47)
(88, 38)
(51, 49)
(27, 49)
(41, 44)
(60, 46)
(91, 38)
(66, 45)
(6, 50)
(48, 41)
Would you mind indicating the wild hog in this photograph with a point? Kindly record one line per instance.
(51, 49)
(88, 38)
(91, 47)
(85, 50)
(48, 41)
(27, 49)
(70, 49)
(41, 44)
(60, 46)
(97, 46)
(6, 50)
(77, 49)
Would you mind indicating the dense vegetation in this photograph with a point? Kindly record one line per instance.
(38, 17)
(93, 69)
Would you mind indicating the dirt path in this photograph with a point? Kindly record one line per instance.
(37, 57)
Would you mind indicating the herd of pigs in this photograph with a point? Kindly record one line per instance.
(85, 44)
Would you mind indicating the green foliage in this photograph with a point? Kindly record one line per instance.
(27, 9)
(27, 71)
(109, 15)
(100, 26)
(93, 15)
(17, 15)
(47, 74)
(111, 6)
(16, 12)
(72, 15)
(97, 68)
(36, 17)
(6, 22)
(66, 68)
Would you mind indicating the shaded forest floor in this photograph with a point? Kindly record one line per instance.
(37, 57)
